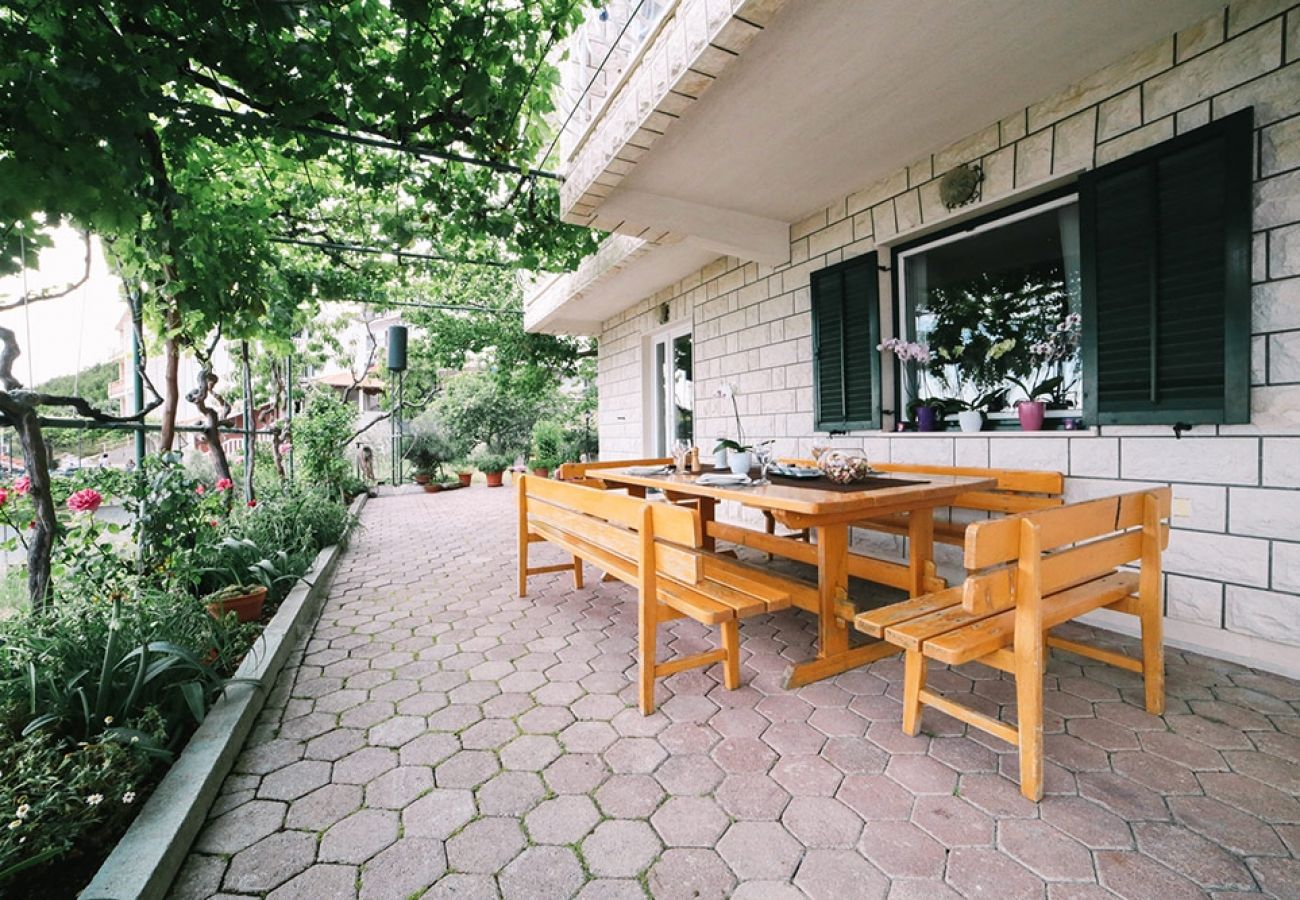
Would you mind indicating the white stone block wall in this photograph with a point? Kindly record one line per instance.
(1233, 582)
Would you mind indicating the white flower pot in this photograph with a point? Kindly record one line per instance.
(720, 458)
(741, 461)
(970, 420)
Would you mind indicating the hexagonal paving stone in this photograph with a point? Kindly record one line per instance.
(364, 765)
(901, 850)
(510, 794)
(542, 873)
(270, 862)
(428, 749)
(403, 870)
(335, 744)
(530, 752)
(752, 796)
(575, 773)
(839, 873)
(485, 846)
(822, 822)
(562, 820)
(241, 827)
(760, 850)
(690, 875)
(620, 848)
(294, 781)
(323, 807)
(689, 822)
(629, 796)
(335, 882)
(438, 814)
(398, 787)
(635, 755)
(466, 769)
(1045, 851)
(359, 836)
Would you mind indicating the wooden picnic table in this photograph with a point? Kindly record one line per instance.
(827, 510)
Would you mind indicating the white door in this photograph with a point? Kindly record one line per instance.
(671, 403)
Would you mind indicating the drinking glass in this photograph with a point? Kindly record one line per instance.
(765, 456)
(817, 451)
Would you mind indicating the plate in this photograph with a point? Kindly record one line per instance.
(720, 479)
(648, 470)
(796, 472)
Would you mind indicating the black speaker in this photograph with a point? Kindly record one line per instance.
(396, 348)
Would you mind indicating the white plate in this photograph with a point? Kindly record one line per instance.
(797, 471)
(720, 479)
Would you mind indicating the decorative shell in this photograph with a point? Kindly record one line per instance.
(844, 468)
(960, 186)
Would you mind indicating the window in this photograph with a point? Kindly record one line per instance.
(996, 308)
(673, 398)
(846, 330)
(1166, 279)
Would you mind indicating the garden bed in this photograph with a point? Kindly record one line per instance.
(148, 856)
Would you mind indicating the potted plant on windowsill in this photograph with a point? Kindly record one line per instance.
(970, 413)
(492, 465)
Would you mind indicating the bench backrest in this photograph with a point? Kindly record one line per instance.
(614, 523)
(1063, 547)
(1018, 490)
(590, 471)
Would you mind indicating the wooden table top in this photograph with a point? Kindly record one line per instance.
(927, 490)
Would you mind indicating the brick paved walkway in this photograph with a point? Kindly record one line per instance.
(439, 735)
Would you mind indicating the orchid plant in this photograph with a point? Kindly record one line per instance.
(728, 391)
(1053, 379)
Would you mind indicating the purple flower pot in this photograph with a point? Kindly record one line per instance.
(927, 418)
(1031, 413)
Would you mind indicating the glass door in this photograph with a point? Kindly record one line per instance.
(673, 397)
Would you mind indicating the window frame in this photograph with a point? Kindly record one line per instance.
(905, 324)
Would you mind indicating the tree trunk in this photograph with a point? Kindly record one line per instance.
(40, 544)
(211, 421)
(171, 386)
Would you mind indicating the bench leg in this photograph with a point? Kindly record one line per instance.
(913, 684)
(731, 646)
(522, 500)
(648, 629)
(1151, 602)
(577, 573)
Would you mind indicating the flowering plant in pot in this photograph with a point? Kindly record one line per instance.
(970, 413)
(913, 357)
(735, 455)
(1051, 382)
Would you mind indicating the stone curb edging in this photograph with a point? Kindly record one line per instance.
(145, 861)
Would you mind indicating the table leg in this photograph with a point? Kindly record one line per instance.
(920, 550)
(834, 655)
(708, 509)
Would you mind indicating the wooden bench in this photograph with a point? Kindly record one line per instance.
(1017, 491)
(657, 548)
(1029, 573)
(588, 473)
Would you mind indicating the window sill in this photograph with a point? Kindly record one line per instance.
(995, 433)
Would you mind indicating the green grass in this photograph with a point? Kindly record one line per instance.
(13, 592)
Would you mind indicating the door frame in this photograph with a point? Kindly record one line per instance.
(652, 401)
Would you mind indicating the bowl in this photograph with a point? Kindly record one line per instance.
(844, 468)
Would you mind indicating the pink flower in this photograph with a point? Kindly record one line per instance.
(224, 484)
(4, 496)
(87, 500)
(214, 523)
(252, 503)
(200, 490)
(23, 484)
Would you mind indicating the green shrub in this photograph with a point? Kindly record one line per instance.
(548, 444)
(487, 461)
(320, 436)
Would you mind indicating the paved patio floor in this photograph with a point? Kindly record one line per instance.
(438, 736)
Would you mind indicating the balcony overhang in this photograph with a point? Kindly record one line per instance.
(622, 272)
(821, 97)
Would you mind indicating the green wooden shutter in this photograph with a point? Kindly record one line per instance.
(1165, 238)
(846, 330)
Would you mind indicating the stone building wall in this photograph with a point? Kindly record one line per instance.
(1233, 583)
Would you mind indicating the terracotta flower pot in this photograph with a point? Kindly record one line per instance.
(541, 471)
(247, 608)
(422, 479)
(432, 487)
(1031, 413)
(465, 478)
(494, 478)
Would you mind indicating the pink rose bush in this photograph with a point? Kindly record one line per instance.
(86, 500)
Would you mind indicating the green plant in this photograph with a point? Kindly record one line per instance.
(320, 435)
(240, 564)
(548, 444)
(487, 461)
(476, 409)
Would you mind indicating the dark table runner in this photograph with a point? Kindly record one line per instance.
(822, 483)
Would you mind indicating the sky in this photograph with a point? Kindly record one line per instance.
(72, 332)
